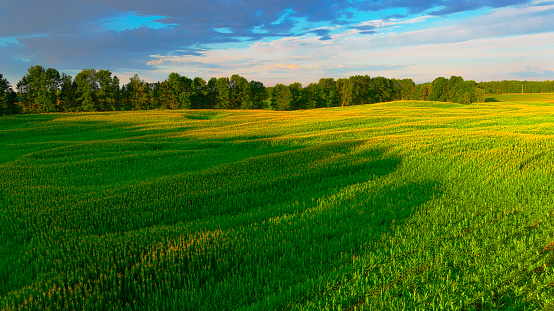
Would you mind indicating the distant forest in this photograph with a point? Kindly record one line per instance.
(46, 90)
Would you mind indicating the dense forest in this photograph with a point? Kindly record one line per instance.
(46, 90)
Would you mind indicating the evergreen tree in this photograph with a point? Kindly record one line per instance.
(66, 94)
(8, 98)
(137, 93)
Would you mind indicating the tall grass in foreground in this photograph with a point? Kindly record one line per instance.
(394, 206)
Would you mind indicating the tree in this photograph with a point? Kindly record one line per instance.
(211, 94)
(258, 95)
(38, 89)
(171, 88)
(86, 86)
(108, 94)
(137, 93)
(223, 93)
(456, 85)
(359, 90)
(328, 93)
(5, 88)
(440, 90)
(8, 98)
(96, 90)
(356, 90)
(312, 96)
(240, 95)
(422, 91)
(297, 99)
(272, 97)
(344, 89)
(406, 86)
(185, 93)
(283, 97)
(464, 91)
(66, 94)
(480, 95)
(178, 91)
(382, 90)
(199, 94)
(156, 95)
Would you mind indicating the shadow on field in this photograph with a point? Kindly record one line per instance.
(255, 225)
(309, 212)
(205, 115)
(284, 181)
(299, 176)
(306, 214)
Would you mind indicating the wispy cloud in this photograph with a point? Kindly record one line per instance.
(415, 38)
(480, 48)
(380, 23)
(531, 72)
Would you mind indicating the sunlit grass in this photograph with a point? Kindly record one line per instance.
(526, 97)
(392, 206)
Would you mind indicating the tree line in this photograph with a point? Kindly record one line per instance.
(455, 89)
(47, 90)
(513, 86)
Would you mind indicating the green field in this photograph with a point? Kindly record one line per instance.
(392, 206)
(527, 97)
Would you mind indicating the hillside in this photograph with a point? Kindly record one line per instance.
(398, 205)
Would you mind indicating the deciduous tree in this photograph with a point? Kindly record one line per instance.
(96, 90)
(283, 97)
(38, 89)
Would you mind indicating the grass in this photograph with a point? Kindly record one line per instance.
(527, 97)
(392, 206)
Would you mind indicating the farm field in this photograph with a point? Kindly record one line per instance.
(391, 206)
(528, 97)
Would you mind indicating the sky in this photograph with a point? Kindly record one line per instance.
(281, 41)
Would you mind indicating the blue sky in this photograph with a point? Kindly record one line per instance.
(281, 41)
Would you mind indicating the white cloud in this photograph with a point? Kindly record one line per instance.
(380, 23)
(483, 48)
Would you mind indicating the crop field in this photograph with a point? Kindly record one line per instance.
(392, 206)
(528, 97)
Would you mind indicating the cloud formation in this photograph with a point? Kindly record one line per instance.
(253, 37)
(531, 72)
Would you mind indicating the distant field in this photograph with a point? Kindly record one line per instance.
(392, 206)
(528, 97)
